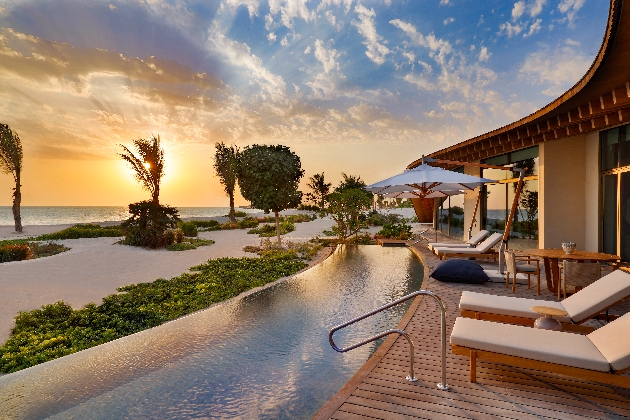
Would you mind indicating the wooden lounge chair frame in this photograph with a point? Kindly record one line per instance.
(491, 253)
(529, 322)
(612, 378)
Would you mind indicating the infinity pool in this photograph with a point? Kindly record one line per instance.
(265, 355)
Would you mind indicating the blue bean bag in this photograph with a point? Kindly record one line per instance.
(459, 271)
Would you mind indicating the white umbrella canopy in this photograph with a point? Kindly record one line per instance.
(414, 194)
(426, 179)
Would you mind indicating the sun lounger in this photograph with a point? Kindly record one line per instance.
(472, 242)
(483, 250)
(599, 356)
(581, 306)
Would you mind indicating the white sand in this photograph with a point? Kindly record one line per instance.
(94, 268)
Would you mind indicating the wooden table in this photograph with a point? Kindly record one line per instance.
(551, 257)
(548, 322)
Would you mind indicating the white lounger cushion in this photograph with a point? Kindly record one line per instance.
(468, 244)
(598, 296)
(506, 305)
(479, 249)
(515, 340)
(613, 341)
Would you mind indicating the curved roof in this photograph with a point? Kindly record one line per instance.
(601, 99)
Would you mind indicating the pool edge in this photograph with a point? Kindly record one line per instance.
(333, 404)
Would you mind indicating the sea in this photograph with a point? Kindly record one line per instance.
(56, 215)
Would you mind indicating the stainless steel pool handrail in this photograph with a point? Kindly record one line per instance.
(411, 377)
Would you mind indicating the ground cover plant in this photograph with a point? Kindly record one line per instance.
(57, 329)
(83, 231)
(270, 230)
(301, 250)
(395, 231)
(24, 249)
(189, 243)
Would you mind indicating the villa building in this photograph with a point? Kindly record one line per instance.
(577, 150)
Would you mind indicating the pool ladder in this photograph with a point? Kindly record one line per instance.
(411, 377)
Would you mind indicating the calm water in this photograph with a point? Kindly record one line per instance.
(54, 215)
(262, 356)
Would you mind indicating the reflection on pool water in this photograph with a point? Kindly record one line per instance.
(265, 355)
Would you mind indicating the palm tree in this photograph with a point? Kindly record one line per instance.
(226, 160)
(320, 190)
(11, 163)
(148, 166)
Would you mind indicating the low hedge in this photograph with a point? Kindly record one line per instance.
(83, 231)
(57, 329)
(15, 252)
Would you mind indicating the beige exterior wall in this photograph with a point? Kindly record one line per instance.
(470, 199)
(562, 199)
(569, 197)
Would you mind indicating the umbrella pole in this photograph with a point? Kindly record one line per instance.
(508, 223)
(474, 215)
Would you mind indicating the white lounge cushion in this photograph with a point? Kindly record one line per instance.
(460, 250)
(474, 240)
(613, 342)
(482, 248)
(447, 245)
(515, 340)
(598, 296)
(506, 305)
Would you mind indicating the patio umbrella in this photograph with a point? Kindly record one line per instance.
(425, 179)
(414, 194)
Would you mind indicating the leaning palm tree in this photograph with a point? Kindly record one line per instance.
(11, 163)
(148, 165)
(226, 160)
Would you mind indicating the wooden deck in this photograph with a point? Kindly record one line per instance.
(379, 390)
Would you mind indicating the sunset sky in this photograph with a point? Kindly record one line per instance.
(362, 87)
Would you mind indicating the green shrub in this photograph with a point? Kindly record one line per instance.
(189, 229)
(83, 231)
(46, 250)
(396, 231)
(270, 230)
(364, 239)
(301, 250)
(247, 222)
(15, 252)
(205, 223)
(189, 243)
(308, 207)
(379, 219)
(148, 223)
(57, 330)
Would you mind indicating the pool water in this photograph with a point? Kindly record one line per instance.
(265, 355)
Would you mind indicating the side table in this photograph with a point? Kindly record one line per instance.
(548, 322)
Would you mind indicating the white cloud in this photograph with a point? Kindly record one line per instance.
(509, 29)
(444, 2)
(240, 55)
(307, 50)
(284, 41)
(536, 7)
(518, 10)
(252, 5)
(535, 27)
(484, 55)
(570, 8)
(557, 69)
(367, 27)
(569, 41)
(112, 7)
(327, 3)
(290, 10)
(448, 20)
(326, 56)
(271, 37)
(436, 45)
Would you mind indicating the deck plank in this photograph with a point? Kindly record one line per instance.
(379, 390)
